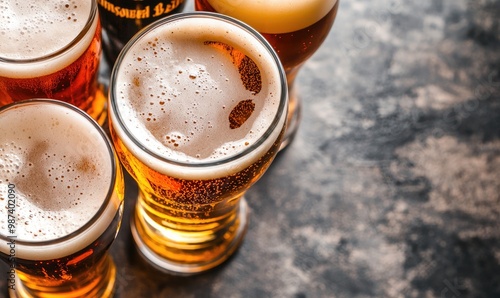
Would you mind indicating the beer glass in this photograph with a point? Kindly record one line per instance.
(61, 194)
(51, 51)
(198, 107)
(121, 19)
(295, 31)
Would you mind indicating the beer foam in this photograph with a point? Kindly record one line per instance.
(30, 31)
(189, 91)
(59, 167)
(275, 16)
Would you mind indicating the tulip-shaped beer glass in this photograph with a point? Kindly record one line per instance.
(198, 106)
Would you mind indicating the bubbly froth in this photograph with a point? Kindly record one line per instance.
(30, 31)
(59, 167)
(197, 90)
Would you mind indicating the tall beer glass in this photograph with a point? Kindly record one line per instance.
(197, 113)
(295, 29)
(51, 51)
(61, 193)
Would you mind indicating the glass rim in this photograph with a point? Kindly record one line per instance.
(281, 111)
(93, 14)
(114, 164)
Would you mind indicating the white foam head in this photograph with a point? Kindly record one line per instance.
(275, 16)
(30, 31)
(177, 88)
(61, 169)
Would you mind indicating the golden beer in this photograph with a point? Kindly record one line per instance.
(294, 29)
(51, 51)
(61, 193)
(197, 111)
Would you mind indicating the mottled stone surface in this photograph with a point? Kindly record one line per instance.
(392, 185)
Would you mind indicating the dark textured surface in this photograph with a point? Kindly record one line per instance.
(392, 185)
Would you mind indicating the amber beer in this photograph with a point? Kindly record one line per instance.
(61, 201)
(51, 51)
(121, 19)
(197, 111)
(295, 30)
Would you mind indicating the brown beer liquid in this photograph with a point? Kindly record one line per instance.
(75, 84)
(295, 47)
(121, 19)
(51, 53)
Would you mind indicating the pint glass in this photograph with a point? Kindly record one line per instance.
(295, 30)
(198, 107)
(51, 51)
(61, 193)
